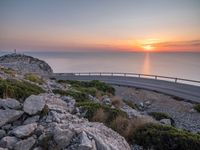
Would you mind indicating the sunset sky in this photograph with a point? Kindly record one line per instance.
(100, 25)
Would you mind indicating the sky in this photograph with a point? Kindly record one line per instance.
(100, 25)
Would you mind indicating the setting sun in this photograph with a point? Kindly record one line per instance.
(148, 47)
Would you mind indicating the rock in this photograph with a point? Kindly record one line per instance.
(62, 136)
(92, 98)
(106, 100)
(26, 144)
(70, 102)
(2, 133)
(25, 130)
(39, 130)
(25, 64)
(85, 142)
(34, 104)
(56, 104)
(3, 148)
(8, 142)
(6, 127)
(166, 121)
(38, 148)
(9, 116)
(32, 119)
(9, 103)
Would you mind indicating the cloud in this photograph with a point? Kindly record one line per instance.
(193, 43)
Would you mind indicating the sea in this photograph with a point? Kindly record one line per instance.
(173, 64)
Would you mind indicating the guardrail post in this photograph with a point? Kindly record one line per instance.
(156, 77)
(79, 74)
(176, 80)
(112, 73)
(89, 73)
(124, 74)
(139, 75)
(100, 73)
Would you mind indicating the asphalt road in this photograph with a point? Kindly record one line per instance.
(184, 91)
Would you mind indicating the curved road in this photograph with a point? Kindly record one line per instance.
(184, 91)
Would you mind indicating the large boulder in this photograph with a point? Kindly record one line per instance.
(9, 103)
(25, 64)
(25, 144)
(34, 104)
(9, 115)
(25, 130)
(8, 142)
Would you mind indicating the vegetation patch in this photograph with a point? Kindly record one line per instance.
(34, 78)
(159, 115)
(160, 137)
(131, 104)
(197, 107)
(92, 109)
(77, 95)
(95, 84)
(19, 90)
(8, 71)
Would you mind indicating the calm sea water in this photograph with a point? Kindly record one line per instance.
(183, 65)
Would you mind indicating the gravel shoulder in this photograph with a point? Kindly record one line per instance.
(182, 112)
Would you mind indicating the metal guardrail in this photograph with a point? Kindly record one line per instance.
(118, 74)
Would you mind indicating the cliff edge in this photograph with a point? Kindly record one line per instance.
(25, 64)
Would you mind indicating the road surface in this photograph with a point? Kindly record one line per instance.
(184, 91)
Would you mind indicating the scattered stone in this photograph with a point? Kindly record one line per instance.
(25, 130)
(34, 104)
(25, 144)
(166, 121)
(70, 102)
(106, 100)
(8, 142)
(9, 115)
(85, 142)
(6, 127)
(2, 133)
(9, 103)
(32, 119)
(62, 137)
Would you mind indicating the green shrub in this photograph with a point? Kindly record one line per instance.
(161, 137)
(197, 107)
(34, 78)
(131, 104)
(8, 71)
(19, 90)
(77, 95)
(101, 86)
(92, 108)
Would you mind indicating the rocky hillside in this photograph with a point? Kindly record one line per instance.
(46, 114)
(25, 64)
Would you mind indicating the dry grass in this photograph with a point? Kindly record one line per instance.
(99, 116)
(126, 127)
(116, 101)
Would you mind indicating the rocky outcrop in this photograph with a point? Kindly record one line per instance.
(25, 64)
(55, 129)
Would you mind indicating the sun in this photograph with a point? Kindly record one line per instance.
(148, 47)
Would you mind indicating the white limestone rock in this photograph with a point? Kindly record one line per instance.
(25, 130)
(34, 104)
(9, 115)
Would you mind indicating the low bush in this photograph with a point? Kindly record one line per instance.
(197, 107)
(101, 86)
(77, 95)
(160, 137)
(116, 101)
(19, 90)
(131, 104)
(34, 78)
(8, 71)
(159, 115)
(92, 109)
